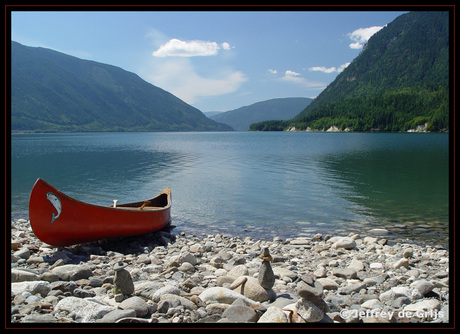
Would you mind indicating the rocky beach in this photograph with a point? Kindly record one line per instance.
(167, 278)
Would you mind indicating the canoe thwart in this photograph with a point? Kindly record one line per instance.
(144, 205)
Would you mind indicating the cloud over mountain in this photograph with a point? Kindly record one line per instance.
(361, 36)
(329, 69)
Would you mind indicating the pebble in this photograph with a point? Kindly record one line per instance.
(167, 278)
(240, 313)
(311, 291)
(274, 315)
(137, 304)
(250, 287)
(223, 296)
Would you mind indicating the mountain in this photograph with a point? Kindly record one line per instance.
(212, 113)
(281, 109)
(399, 81)
(52, 91)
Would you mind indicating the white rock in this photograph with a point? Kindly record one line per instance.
(408, 252)
(372, 304)
(87, 309)
(378, 231)
(237, 271)
(425, 309)
(395, 292)
(328, 284)
(72, 272)
(281, 272)
(187, 257)
(137, 304)
(252, 289)
(33, 287)
(333, 240)
(172, 289)
(223, 295)
(307, 310)
(220, 272)
(423, 286)
(18, 275)
(145, 289)
(113, 316)
(370, 240)
(300, 241)
(376, 265)
(400, 291)
(274, 315)
(186, 267)
(196, 248)
(23, 253)
(345, 242)
(320, 272)
(401, 263)
(416, 294)
(143, 258)
(356, 265)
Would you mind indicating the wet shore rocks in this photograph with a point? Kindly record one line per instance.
(167, 278)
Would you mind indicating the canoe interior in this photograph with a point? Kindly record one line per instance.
(155, 203)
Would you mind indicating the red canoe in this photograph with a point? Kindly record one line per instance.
(60, 220)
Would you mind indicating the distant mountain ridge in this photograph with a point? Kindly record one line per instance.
(400, 81)
(280, 109)
(52, 91)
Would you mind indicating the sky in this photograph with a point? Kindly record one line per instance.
(213, 60)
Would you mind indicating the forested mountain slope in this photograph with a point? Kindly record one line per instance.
(52, 91)
(399, 80)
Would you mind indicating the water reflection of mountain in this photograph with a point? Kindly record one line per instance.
(403, 187)
(94, 173)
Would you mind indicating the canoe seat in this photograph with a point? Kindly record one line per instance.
(151, 208)
(138, 208)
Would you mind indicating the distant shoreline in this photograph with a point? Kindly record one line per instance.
(141, 131)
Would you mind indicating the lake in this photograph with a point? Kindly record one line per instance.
(259, 184)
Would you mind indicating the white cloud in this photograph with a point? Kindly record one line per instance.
(272, 71)
(179, 77)
(342, 67)
(329, 69)
(294, 77)
(361, 36)
(289, 74)
(177, 48)
(323, 69)
(226, 46)
(356, 45)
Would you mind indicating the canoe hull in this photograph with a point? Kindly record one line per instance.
(60, 220)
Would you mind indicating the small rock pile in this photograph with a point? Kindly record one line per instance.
(166, 278)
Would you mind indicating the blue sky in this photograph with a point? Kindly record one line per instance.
(213, 60)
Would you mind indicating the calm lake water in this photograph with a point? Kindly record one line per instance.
(260, 184)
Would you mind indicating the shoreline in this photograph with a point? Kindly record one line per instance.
(181, 278)
(394, 232)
